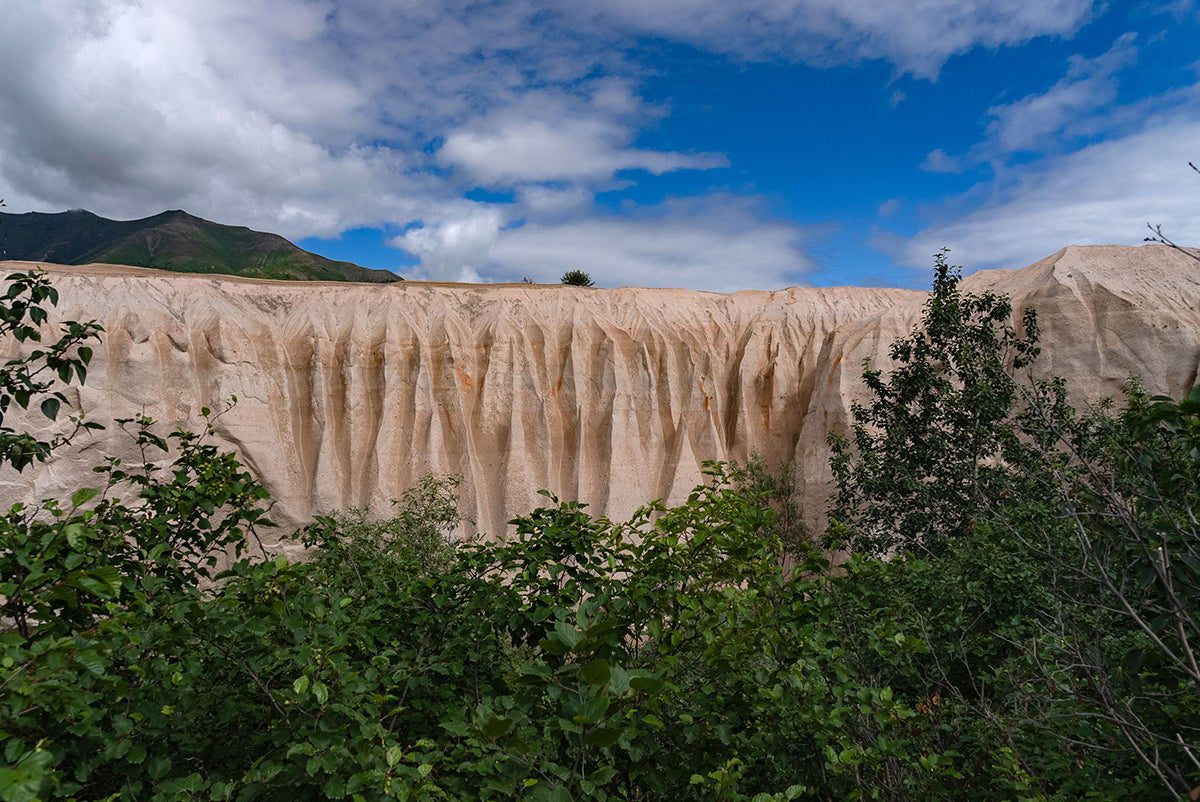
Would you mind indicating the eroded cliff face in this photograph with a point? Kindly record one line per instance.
(347, 394)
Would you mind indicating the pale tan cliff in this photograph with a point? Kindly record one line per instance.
(349, 393)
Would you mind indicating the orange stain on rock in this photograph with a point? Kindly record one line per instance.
(833, 370)
(464, 378)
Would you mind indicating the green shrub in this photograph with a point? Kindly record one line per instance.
(577, 278)
(1047, 557)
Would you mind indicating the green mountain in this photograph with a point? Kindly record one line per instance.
(169, 241)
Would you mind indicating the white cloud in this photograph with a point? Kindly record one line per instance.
(1066, 112)
(917, 37)
(722, 243)
(308, 117)
(715, 242)
(554, 136)
(890, 206)
(938, 161)
(130, 109)
(549, 202)
(453, 249)
(579, 150)
(1036, 121)
(1104, 193)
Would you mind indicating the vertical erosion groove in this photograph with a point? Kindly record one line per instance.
(349, 394)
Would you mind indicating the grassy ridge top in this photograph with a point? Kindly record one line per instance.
(172, 240)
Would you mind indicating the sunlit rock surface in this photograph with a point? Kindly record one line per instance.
(347, 394)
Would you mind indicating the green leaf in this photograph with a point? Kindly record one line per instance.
(496, 726)
(539, 669)
(92, 661)
(602, 737)
(618, 683)
(394, 754)
(649, 685)
(595, 672)
(654, 721)
(553, 645)
(158, 767)
(321, 692)
(74, 534)
(592, 710)
(569, 636)
(50, 407)
(300, 686)
(104, 581)
(603, 775)
(83, 495)
(546, 793)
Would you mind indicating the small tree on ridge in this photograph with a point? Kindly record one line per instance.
(577, 278)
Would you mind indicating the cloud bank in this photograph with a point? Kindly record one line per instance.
(1104, 170)
(311, 117)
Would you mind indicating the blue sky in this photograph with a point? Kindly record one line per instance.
(693, 143)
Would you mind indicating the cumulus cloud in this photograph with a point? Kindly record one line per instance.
(549, 201)
(452, 249)
(555, 136)
(720, 242)
(537, 150)
(309, 117)
(716, 242)
(129, 109)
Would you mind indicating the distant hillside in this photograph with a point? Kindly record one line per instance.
(169, 241)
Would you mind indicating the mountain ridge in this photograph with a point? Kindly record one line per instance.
(173, 240)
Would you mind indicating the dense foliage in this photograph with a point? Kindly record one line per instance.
(1017, 620)
(930, 446)
(577, 278)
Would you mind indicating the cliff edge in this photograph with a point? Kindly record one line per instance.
(347, 394)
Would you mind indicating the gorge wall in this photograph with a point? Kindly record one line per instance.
(347, 394)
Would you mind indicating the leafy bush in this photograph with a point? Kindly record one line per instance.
(929, 449)
(33, 376)
(1048, 556)
(582, 659)
(577, 278)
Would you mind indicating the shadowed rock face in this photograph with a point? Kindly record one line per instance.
(347, 394)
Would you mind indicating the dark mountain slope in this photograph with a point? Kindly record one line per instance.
(169, 241)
